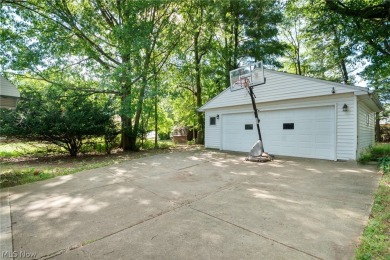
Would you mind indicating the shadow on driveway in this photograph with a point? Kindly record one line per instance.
(196, 205)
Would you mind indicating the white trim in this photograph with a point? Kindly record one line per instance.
(355, 103)
(222, 116)
(247, 110)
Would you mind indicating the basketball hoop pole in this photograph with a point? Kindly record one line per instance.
(250, 88)
(248, 77)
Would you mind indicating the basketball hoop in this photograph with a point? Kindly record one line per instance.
(247, 76)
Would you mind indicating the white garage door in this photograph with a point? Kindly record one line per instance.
(305, 132)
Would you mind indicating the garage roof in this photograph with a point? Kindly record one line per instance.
(284, 86)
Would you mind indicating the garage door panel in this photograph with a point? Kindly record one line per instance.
(234, 136)
(313, 134)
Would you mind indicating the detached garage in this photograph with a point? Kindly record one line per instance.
(9, 94)
(299, 116)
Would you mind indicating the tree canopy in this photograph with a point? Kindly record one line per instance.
(161, 60)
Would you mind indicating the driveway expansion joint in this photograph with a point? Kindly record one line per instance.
(88, 242)
(257, 234)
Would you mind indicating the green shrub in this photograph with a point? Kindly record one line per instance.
(384, 164)
(380, 150)
(63, 118)
(375, 153)
(165, 144)
(163, 136)
(149, 144)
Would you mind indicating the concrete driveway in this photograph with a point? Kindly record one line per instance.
(194, 205)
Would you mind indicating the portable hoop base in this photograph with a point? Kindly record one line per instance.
(257, 153)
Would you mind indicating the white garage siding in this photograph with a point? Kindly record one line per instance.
(345, 148)
(366, 127)
(280, 86)
(234, 135)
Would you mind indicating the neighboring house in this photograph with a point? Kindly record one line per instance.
(9, 94)
(300, 116)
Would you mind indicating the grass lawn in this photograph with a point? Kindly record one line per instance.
(22, 163)
(375, 240)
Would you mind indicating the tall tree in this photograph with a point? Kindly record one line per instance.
(249, 31)
(292, 29)
(110, 40)
(322, 37)
(370, 34)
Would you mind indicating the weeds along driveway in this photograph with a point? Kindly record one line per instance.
(196, 205)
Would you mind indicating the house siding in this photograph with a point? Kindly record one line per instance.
(279, 86)
(7, 89)
(8, 102)
(366, 127)
(345, 137)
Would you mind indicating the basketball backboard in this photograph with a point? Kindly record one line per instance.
(250, 75)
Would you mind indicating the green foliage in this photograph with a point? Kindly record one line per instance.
(379, 152)
(17, 149)
(14, 177)
(384, 164)
(64, 118)
(18, 177)
(165, 144)
(149, 144)
(110, 46)
(375, 241)
(146, 144)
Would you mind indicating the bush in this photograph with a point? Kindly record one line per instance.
(149, 144)
(375, 153)
(146, 144)
(384, 164)
(64, 118)
(163, 136)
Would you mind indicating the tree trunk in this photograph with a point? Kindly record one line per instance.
(298, 61)
(126, 123)
(133, 136)
(200, 137)
(73, 147)
(344, 71)
(155, 118)
(340, 57)
(236, 11)
(377, 128)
